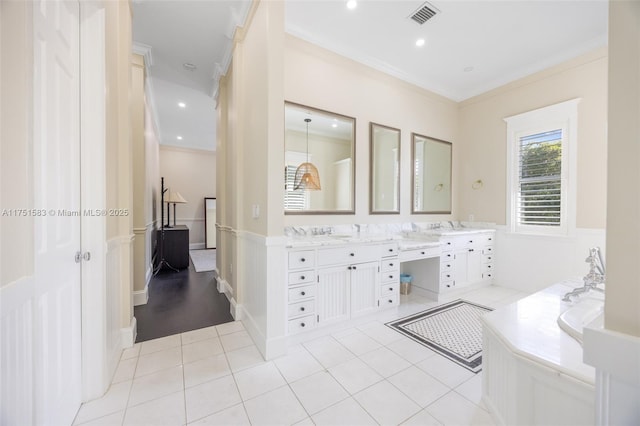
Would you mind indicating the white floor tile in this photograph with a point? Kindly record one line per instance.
(419, 386)
(229, 327)
(357, 342)
(114, 419)
(318, 392)
(385, 362)
(156, 345)
(410, 350)
(202, 349)
(211, 397)
(257, 380)
(472, 389)
(448, 372)
(114, 400)
(125, 371)
(297, 364)
(131, 352)
(354, 375)
(386, 404)
(155, 385)
(346, 412)
(157, 361)
(453, 409)
(199, 334)
(262, 410)
(244, 358)
(328, 351)
(205, 369)
(381, 333)
(237, 340)
(232, 416)
(168, 410)
(305, 422)
(423, 418)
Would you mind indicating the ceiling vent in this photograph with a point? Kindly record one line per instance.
(424, 13)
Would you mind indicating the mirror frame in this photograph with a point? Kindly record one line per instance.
(372, 125)
(353, 169)
(413, 175)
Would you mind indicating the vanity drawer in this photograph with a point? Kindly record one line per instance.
(389, 289)
(446, 256)
(301, 324)
(354, 254)
(417, 254)
(488, 267)
(487, 258)
(391, 300)
(446, 266)
(388, 249)
(301, 277)
(389, 276)
(389, 265)
(487, 250)
(301, 259)
(487, 275)
(302, 292)
(446, 276)
(447, 285)
(302, 308)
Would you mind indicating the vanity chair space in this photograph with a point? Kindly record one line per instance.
(332, 284)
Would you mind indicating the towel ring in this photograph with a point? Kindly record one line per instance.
(477, 184)
(438, 187)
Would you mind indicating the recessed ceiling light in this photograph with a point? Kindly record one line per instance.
(179, 138)
(352, 4)
(189, 66)
(420, 42)
(182, 105)
(468, 69)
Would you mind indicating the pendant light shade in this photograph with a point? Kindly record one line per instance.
(307, 176)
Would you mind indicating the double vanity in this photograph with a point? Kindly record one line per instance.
(333, 278)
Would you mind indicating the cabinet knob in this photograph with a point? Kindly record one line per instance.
(448, 285)
(390, 276)
(390, 249)
(470, 249)
(302, 259)
(471, 241)
(490, 239)
(390, 301)
(448, 243)
(448, 276)
(391, 264)
(353, 267)
(390, 288)
(352, 254)
(302, 324)
(302, 308)
(421, 252)
(489, 266)
(302, 293)
(302, 277)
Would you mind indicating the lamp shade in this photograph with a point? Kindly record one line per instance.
(174, 197)
(307, 177)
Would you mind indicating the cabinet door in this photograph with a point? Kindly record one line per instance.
(474, 265)
(332, 294)
(365, 287)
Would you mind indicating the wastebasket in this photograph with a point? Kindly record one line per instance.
(405, 283)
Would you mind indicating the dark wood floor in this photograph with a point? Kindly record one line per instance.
(181, 301)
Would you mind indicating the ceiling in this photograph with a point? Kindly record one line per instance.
(470, 46)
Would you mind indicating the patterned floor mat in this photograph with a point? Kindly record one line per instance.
(452, 330)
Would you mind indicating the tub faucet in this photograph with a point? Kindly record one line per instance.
(595, 276)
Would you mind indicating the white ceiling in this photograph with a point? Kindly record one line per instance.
(500, 40)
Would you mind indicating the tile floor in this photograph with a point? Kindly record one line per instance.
(357, 374)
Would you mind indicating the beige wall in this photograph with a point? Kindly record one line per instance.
(622, 305)
(482, 142)
(16, 189)
(321, 79)
(193, 174)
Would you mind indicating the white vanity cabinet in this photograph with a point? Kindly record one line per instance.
(332, 284)
(466, 260)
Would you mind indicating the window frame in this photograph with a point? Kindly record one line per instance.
(561, 116)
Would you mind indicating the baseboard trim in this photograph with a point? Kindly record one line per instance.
(141, 297)
(196, 246)
(128, 334)
(235, 309)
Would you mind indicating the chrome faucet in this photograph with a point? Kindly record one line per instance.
(595, 276)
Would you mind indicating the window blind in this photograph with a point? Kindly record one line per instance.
(540, 179)
(293, 199)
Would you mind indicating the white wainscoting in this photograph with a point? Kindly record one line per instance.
(16, 352)
(225, 260)
(530, 263)
(118, 251)
(196, 229)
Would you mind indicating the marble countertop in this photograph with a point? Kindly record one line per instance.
(529, 328)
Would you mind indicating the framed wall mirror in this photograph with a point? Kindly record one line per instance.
(431, 177)
(384, 169)
(319, 149)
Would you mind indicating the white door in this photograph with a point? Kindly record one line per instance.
(56, 150)
(333, 293)
(365, 288)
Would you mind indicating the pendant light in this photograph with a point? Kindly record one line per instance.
(307, 177)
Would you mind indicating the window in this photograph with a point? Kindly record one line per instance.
(294, 199)
(541, 149)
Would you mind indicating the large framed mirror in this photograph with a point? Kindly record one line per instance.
(384, 169)
(431, 177)
(319, 172)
